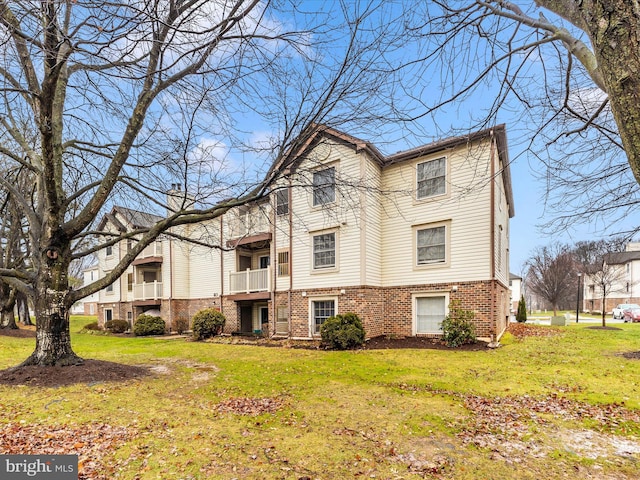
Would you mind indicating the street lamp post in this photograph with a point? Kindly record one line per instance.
(578, 300)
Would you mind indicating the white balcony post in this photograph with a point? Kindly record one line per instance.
(248, 282)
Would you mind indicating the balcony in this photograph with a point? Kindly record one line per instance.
(250, 281)
(147, 291)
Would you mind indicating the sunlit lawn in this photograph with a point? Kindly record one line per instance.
(333, 415)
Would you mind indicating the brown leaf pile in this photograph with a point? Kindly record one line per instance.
(521, 330)
(250, 406)
(90, 442)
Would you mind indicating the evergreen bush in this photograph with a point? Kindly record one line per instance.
(207, 323)
(148, 325)
(93, 326)
(181, 325)
(342, 332)
(521, 314)
(116, 326)
(457, 327)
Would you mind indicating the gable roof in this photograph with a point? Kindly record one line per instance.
(134, 219)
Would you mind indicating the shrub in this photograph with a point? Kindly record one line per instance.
(342, 332)
(207, 323)
(148, 325)
(181, 325)
(521, 314)
(457, 327)
(117, 326)
(92, 326)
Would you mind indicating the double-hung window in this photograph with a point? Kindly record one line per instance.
(321, 310)
(324, 186)
(431, 246)
(431, 178)
(324, 251)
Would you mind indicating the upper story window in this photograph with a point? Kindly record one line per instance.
(109, 250)
(431, 245)
(282, 202)
(431, 178)
(324, 250)
(324, 186)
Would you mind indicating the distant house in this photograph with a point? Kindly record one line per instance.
(515, 288)
(623, 279)
(393, 238)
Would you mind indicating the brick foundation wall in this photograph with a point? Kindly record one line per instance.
(383, 311)
(389, 311)
(186, 309)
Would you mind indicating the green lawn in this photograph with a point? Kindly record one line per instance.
(536, 408)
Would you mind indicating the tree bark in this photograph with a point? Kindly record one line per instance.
(53, 339)
(7, 305)
(22, 303)
(614, 30)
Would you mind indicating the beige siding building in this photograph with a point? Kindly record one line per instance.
(394, 239)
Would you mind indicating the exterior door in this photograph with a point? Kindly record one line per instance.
(246, 319)
(264, 319)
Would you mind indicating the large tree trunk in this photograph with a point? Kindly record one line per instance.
(53, 339)
(7, 305)
(614, 30)
(22, 303)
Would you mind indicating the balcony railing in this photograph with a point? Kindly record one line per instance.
(250, 281)
(153, 250)
(147, 291)
(249, 224)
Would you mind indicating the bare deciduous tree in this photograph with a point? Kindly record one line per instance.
(552, 274)
(571, 72)
(106, 102)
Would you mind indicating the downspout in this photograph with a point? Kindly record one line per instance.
(221, 266)
(171, 280)
(289, 194)
(274, 266)
(493, 236)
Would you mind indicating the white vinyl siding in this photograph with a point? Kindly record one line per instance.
(465, 212)
(431, 178)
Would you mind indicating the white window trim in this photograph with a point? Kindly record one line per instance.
(105, 313)
(447, 246)
(447, 176)
(311, 318)
(414, 309)
(321, 270)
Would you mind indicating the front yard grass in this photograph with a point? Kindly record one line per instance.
(539, 408)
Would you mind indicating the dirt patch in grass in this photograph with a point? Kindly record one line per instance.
(21, 332)
(90, 372)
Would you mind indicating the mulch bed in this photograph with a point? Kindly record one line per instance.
(91, 372)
